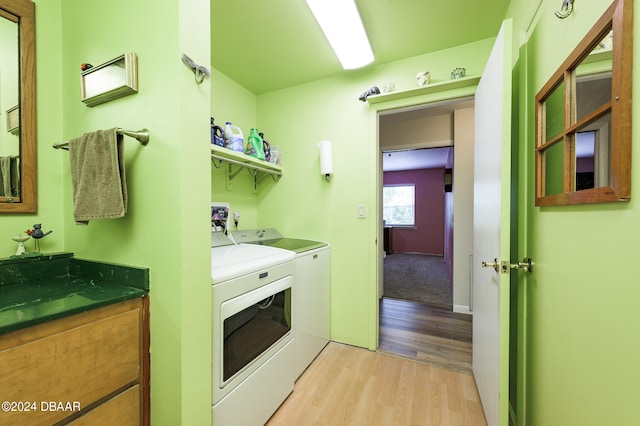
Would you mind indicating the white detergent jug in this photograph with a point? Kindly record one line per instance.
(233, 138)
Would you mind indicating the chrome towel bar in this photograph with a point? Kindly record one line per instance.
(141, 135)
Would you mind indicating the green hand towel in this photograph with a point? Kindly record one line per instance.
(98, 176)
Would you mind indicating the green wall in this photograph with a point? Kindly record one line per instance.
(303, 204)
(232, 102)
(581, 301)
(580, 311)
(169, 181)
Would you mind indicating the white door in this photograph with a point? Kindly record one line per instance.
(491, 230)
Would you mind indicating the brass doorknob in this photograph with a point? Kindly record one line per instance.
(525, 265)
(495, 265)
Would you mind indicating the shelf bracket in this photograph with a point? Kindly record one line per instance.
(229, 176)
(233, 175)
(256, 172)
(254, 178)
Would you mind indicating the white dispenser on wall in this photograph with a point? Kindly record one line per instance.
(326, 159)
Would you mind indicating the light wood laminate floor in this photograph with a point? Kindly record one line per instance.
(425, 333)
(347, 386)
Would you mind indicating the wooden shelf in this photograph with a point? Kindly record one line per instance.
(258, 169)
(423, 90)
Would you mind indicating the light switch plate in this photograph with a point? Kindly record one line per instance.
(362, 211)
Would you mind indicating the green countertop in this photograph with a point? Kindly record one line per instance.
(41, 289)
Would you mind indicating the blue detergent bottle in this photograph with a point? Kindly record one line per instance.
(217, 133)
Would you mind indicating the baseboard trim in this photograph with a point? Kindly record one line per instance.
(461, 309)
(417, 252)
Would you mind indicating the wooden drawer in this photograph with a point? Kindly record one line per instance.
(75, 361)
(121, 410)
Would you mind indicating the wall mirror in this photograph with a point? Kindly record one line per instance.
(18, 180)
(583, 118)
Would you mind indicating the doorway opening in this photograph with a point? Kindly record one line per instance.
(430, 147)
(417, 228)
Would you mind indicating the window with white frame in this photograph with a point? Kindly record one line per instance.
(398, 205)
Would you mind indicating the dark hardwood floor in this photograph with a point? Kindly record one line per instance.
(428, 334)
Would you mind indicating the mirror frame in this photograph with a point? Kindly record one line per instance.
(23, 13)
(619, 18)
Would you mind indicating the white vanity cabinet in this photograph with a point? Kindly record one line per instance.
(312, 312)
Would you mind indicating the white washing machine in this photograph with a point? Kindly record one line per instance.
(253, 336)
(312, 294)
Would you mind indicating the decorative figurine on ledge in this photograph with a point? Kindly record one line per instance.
(423, 78)
(373, 91)
(36, 233)
(458, 73)
(20, 239)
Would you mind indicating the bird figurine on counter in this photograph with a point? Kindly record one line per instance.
(36, 233)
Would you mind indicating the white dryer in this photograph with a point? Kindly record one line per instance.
(253, 336)
(312, 294)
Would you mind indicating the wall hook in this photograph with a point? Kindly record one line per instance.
(198, 70)
(565, 10)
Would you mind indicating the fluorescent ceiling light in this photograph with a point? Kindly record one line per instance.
(341, 23)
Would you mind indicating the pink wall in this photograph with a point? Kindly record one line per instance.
(585, 164)
(428, 237)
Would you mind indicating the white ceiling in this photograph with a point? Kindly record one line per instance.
(429, 158)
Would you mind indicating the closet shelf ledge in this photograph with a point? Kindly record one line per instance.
(423, 90)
